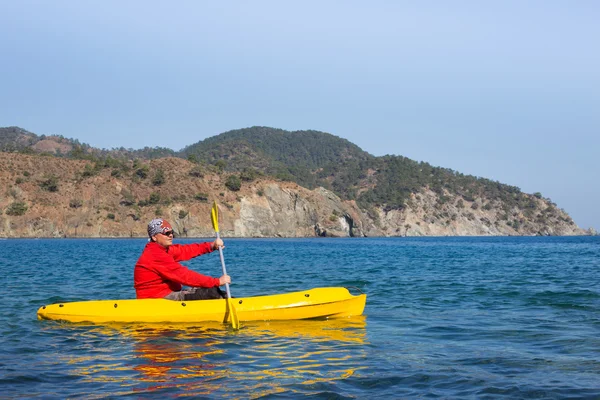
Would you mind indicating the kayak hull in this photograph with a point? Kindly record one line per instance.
(332, 302)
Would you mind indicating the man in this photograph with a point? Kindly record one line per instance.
(158, 274)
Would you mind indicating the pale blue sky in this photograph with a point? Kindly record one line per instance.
(507, 90)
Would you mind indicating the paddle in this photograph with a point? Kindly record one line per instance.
(214, 215)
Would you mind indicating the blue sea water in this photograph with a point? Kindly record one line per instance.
(445, 318)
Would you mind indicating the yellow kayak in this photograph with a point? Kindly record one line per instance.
(330, 302)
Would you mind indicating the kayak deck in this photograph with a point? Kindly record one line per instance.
(331, 302)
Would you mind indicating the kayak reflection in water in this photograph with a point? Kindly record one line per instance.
(158, 274)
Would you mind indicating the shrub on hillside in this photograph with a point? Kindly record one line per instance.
(142, 172)
(50, 184)
(128, 199)
(154, 198)
(197, 172)
(221, 165)
(75, 203)
(233, 183)
(17, 208)
(249, 174)
(203, 197)
(88, 171)
(159, 177)
(135, 217)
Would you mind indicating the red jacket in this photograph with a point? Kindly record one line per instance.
(158, 273)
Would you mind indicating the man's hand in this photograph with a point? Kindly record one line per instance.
(224, 279)
(217, 243)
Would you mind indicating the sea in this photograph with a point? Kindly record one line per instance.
(446, 317)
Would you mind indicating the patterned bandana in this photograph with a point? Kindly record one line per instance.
(158, 225)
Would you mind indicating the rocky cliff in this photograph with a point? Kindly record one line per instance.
(55, 197)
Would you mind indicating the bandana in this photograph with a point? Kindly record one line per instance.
(158, 225)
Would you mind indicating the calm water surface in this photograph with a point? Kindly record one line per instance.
(445, 318)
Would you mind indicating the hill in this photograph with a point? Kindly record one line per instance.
(15, 139)
(313, 159)
(296, 156)
(360, 194)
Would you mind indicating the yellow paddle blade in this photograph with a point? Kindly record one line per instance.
(235, 322)
(214, 215)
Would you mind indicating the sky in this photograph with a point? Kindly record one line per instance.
(507, 90)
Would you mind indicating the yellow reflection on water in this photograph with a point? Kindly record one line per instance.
(261, 358)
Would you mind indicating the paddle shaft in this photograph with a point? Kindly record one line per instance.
(223, 265)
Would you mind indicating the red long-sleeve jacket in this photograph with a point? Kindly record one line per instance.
(158, 272)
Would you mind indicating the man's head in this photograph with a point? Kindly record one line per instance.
(161, 232)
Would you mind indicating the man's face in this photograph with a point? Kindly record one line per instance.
(164, 239)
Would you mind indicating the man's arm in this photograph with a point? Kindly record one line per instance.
(184, 252)
(173, 271)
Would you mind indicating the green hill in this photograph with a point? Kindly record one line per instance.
(295, 156)
(312, 158)
(309, 158)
